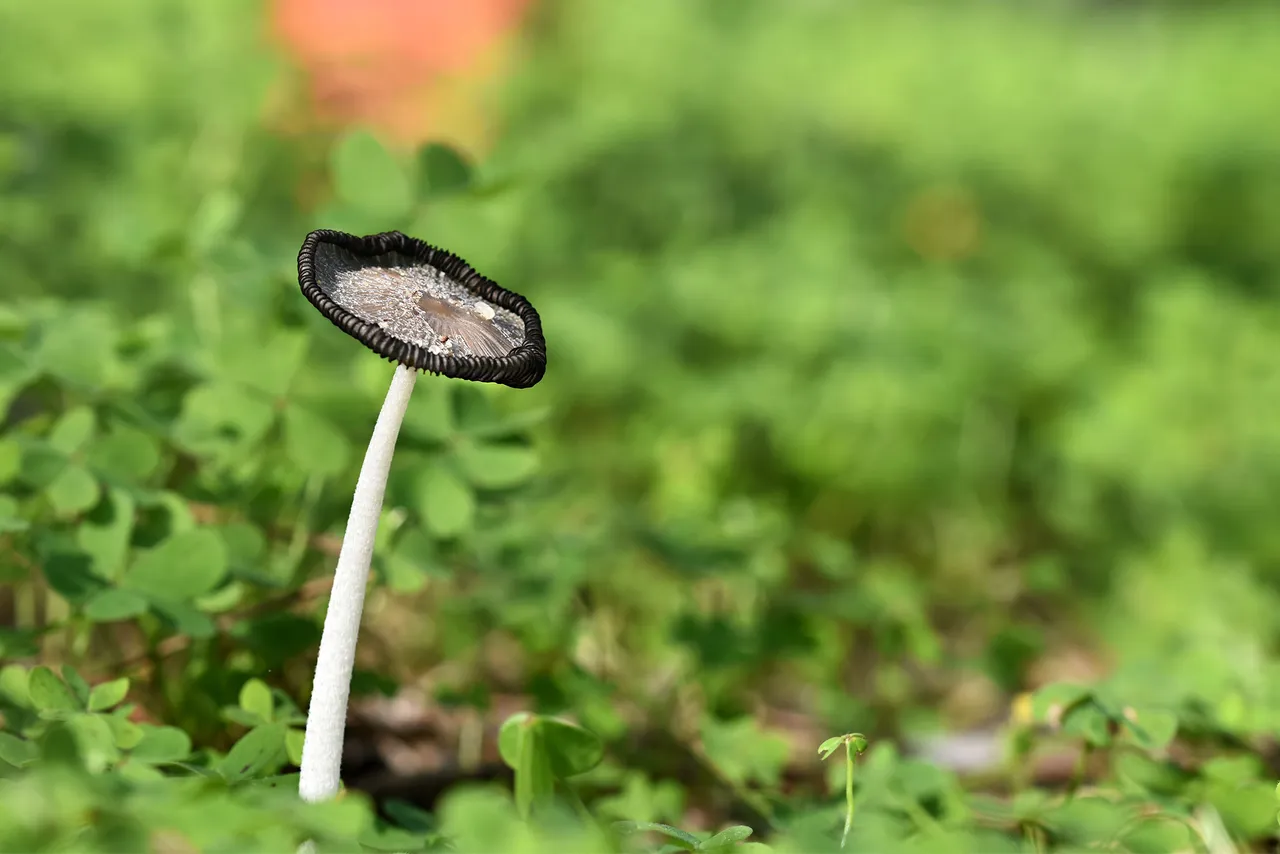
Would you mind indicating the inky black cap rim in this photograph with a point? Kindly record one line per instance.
(441, 295)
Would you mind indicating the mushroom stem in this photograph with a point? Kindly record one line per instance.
(327, 716)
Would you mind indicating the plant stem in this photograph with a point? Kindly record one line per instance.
(575, 800)
(301, 535)
(327, 716)
(1081, 769)
(849, 765)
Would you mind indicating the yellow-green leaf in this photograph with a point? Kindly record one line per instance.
(447, 504)
(73, 491)
(108, 694)
(255, 698)
(48, 692)
(181, 568)
(497, 466)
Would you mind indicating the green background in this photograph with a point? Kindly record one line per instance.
(903, 358)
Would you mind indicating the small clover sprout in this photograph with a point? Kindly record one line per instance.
(854, 744)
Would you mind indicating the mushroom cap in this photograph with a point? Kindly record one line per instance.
(422, 307)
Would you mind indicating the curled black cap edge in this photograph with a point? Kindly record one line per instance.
(523, 367)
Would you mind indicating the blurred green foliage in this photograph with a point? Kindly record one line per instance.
(898, 353)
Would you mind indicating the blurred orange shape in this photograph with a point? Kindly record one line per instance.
(405, 39)
(384, 62)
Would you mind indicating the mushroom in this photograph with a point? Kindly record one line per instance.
(426, 310)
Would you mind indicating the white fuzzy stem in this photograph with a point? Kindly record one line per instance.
(327, 717)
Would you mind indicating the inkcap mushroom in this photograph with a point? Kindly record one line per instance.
(426, 310)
